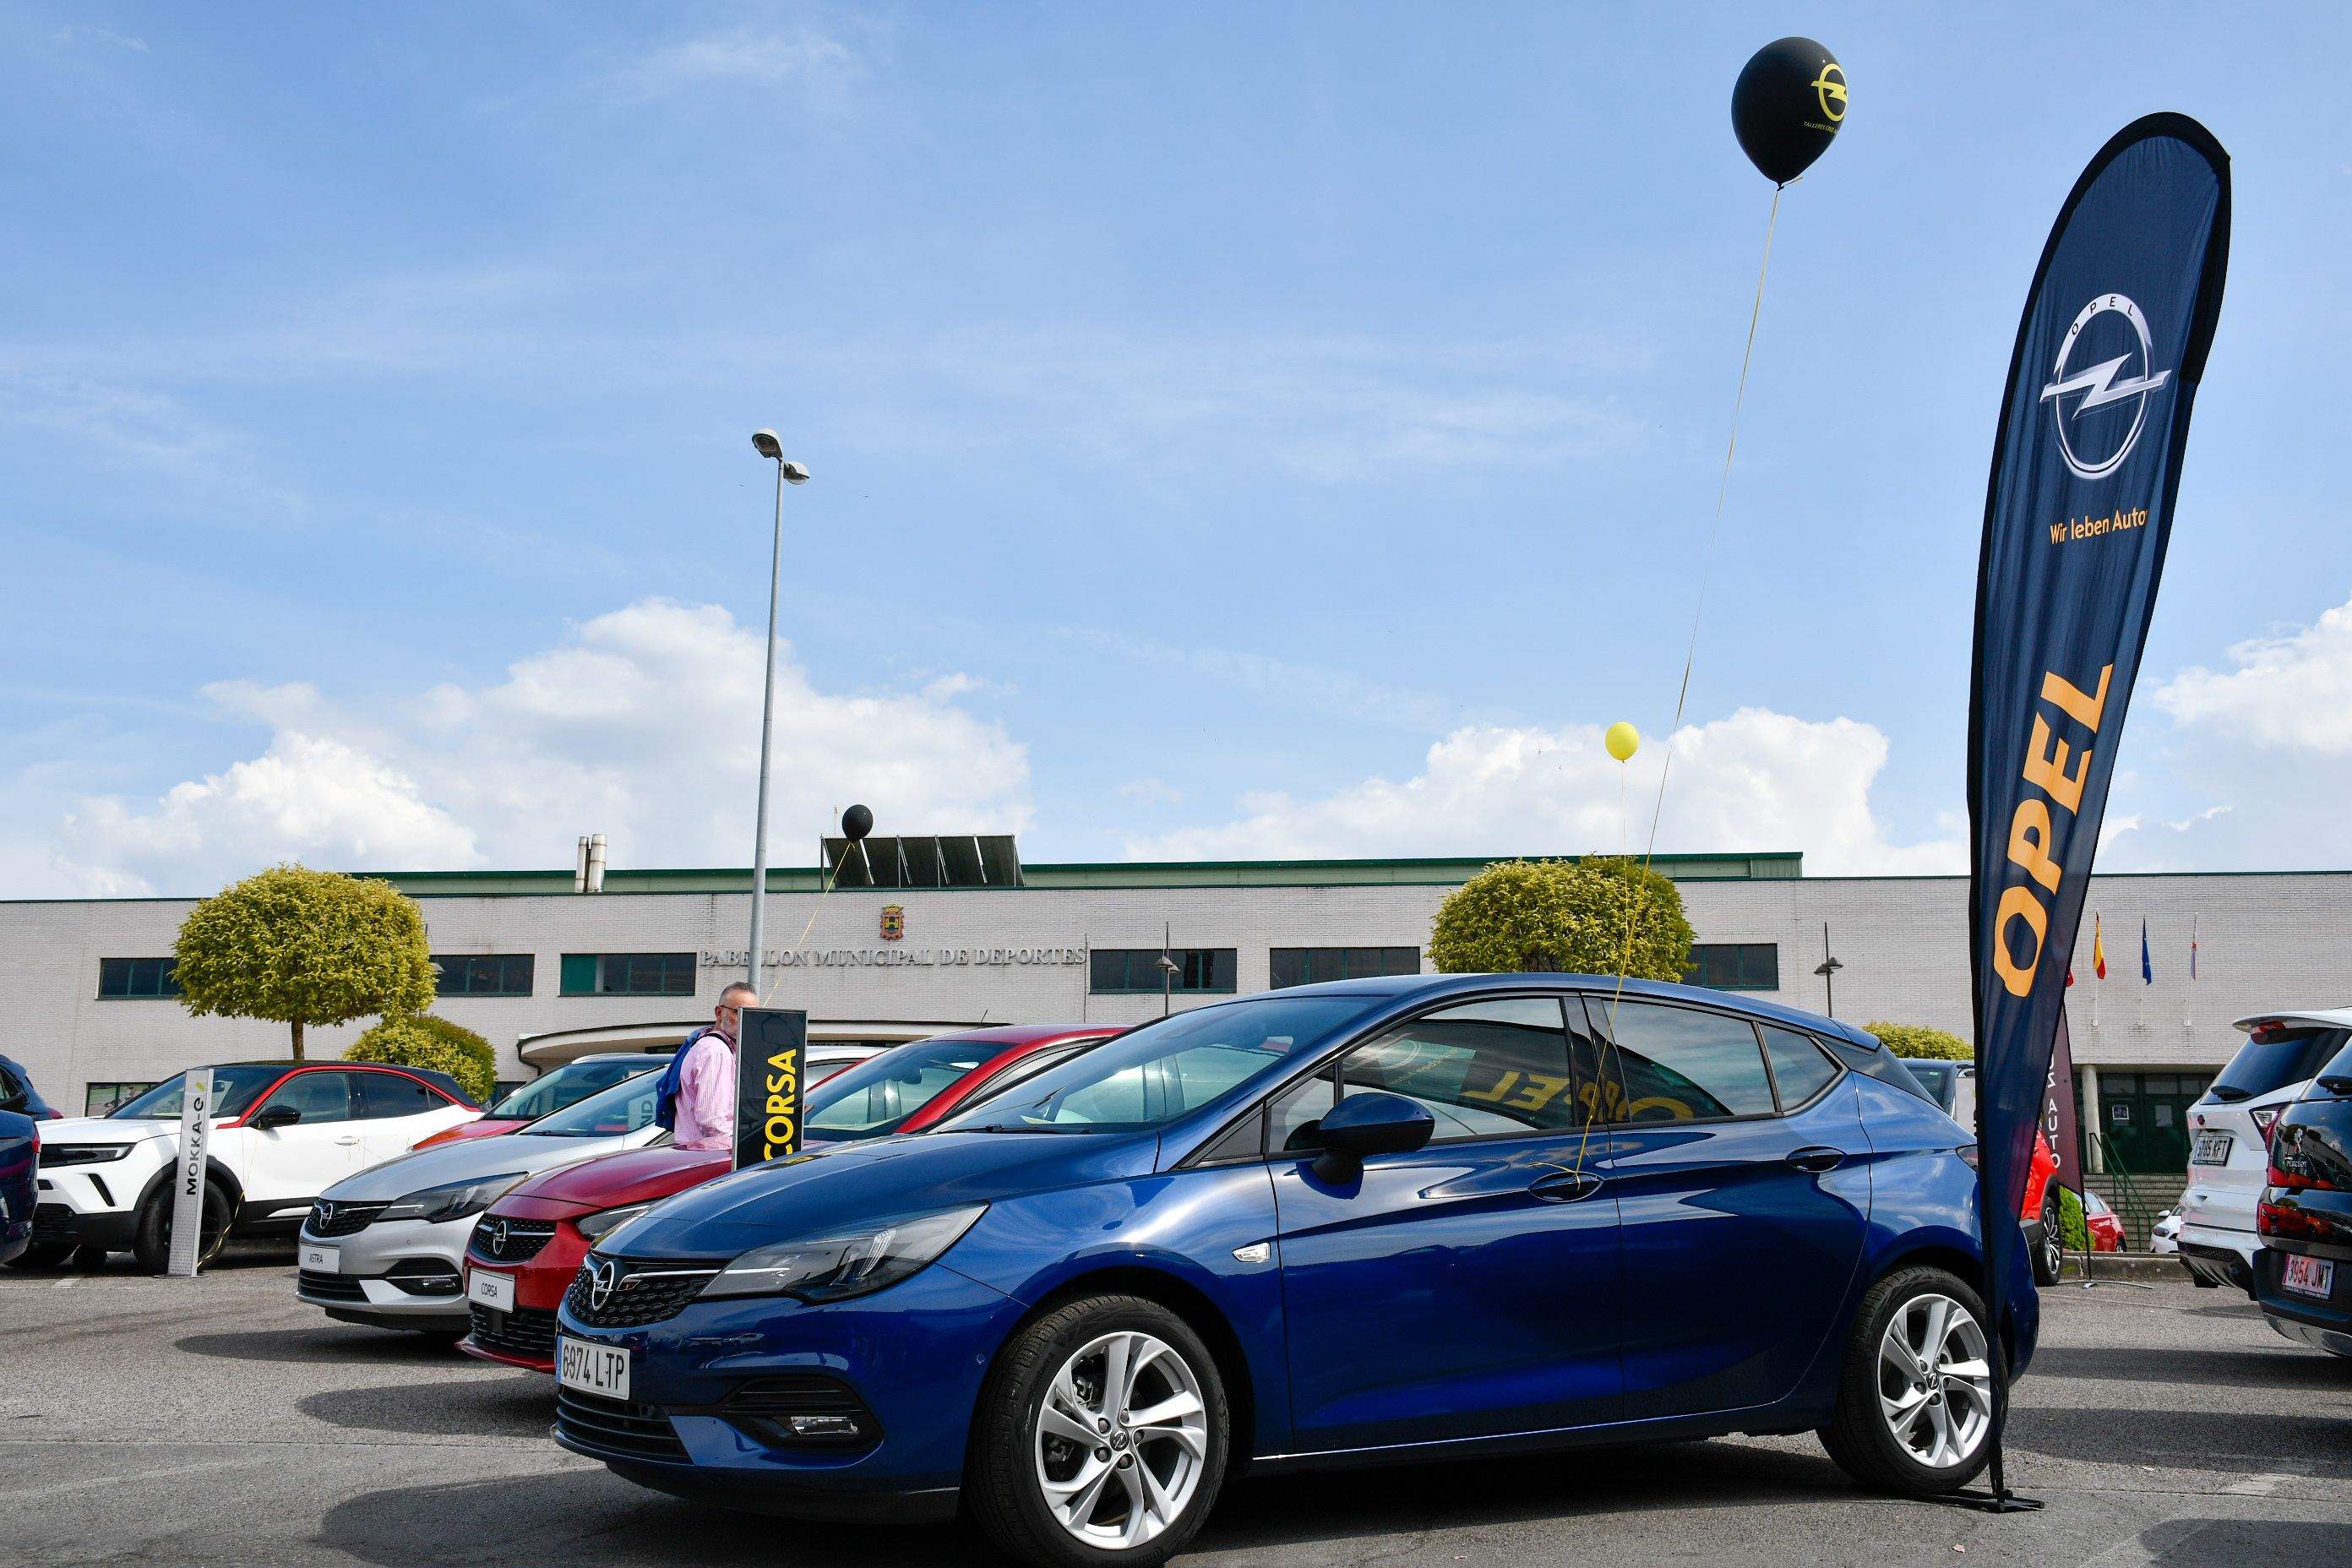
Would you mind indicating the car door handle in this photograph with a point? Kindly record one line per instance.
(347, 1140)
(1817, 1157)
(1566, 1186)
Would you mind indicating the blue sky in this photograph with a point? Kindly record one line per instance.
(1236, 430)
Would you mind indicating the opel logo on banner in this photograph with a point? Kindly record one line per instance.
(498, 1239)
(2102, 385)
(603, 1277)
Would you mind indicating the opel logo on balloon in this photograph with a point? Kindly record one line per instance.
(1830, 87)
(2102, 385)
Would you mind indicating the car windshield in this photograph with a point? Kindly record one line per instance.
(567, 1085)
(2275, 1055)
(877, 1096)
(1154, 1074)
(624, 1107)
(235, 1088)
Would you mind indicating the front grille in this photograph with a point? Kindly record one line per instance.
(52, 1222)
(638, 1293)
(616, 1426)
(501, 1240)
(329, 1287)
(342, 1219)
(527, 1331)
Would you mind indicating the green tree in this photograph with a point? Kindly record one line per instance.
(1581, 917)
(1920, 1041)
(302, 947)
(421, 1040)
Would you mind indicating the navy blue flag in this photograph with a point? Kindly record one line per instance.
(2085, 470)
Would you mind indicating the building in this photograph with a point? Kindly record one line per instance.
(549, 971)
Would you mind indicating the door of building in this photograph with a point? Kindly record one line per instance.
(2144, 1117)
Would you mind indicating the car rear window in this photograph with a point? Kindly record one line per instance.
(2275, 1055)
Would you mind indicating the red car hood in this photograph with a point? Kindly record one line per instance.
(631, 1176)
(480, 1127)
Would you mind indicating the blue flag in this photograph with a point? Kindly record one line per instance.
(2146, 970)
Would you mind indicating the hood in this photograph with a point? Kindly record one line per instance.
(464, 1162)
(631, 1176)
(480, 1127)
(841, 1184)
(108, 1129)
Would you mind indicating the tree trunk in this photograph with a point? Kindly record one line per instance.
(298, 1039)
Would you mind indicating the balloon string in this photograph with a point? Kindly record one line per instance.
(1690, 660)
(825, 885)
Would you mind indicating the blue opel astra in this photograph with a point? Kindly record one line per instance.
(1410, 1218)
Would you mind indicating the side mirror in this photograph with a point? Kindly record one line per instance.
(1370, 1122)
(275, 1117)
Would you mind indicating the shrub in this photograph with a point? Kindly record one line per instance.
(2072, 1225)
(421, 1040)
(1920, 1041)
(1579, 917)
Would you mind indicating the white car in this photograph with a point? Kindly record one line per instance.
(2164, 1236)
(283, 1133)
(386, 1248)
(2229, 1138)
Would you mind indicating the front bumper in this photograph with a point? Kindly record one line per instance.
(392, 1274)
(526, 1336)
(912, 1357)
(94, 1204)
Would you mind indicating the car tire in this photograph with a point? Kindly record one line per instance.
(1139, 1496)
(1896, 1429)
(2049, 1247)
(42, 1255)
(150, 1240)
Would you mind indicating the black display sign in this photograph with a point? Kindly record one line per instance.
(772, 1043)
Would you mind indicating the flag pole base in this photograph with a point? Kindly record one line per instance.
(1991, 1502)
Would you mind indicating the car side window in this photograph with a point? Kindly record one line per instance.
(1483, 1070)
(385, 1095)
(1801, 1069)
(1680, 1064)
(13, 1094)
(318, 1096)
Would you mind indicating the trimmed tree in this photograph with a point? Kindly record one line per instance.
(421, 1040)
(1917, 1040)
(1581, 917)
(302, 947)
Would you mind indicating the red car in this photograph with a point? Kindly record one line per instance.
(551, 1092)
(527, 1246)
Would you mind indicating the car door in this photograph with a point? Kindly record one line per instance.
(1743, 1210)
(304, 1158)
(393, 1111)
(1467, 1288)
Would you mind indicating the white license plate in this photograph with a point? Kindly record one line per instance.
(2212, 1149)
(323, 1259)
(592, 1369)
(2308, 1276)
(491, 1289)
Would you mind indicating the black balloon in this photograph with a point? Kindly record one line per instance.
(856, 823)
(1787, 107)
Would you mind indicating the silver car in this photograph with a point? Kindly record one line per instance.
(384, 1246)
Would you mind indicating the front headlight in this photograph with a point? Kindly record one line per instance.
(595, 1226)
(454, 1201)
(84, 1154)
(846, 1263)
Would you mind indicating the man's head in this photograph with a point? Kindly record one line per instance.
(731, 1002)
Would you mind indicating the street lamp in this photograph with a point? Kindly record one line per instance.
(764, 442)
(1827, 968)
(1168, 968)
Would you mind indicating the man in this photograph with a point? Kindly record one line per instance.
(706, 1078)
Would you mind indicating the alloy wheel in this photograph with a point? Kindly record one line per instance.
(1935, 1381)
(1122, 1437)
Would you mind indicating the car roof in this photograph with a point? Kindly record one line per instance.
(1010, 1034)
(2325, 1018)
(1431, 987)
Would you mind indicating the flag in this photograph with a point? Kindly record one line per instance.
(2146, 970)
(2098, 950)
(2192, 947)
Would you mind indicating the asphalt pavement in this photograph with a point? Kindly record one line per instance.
(220, 1421)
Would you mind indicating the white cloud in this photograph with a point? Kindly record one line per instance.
(1757, 779)
(2294, 690)
(1151, 792)
(744, 57)
(643, 725)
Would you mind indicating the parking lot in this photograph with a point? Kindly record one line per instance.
(221, 1421)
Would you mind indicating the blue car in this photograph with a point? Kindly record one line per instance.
(20, 1158)
(1399, 1219)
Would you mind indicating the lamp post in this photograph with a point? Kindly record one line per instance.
(764, 442)
(1827, 968)
(1168, 969)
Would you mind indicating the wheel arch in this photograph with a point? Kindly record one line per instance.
(216, 1174)
(1961, 1264)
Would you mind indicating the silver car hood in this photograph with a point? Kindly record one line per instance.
(471, 1159)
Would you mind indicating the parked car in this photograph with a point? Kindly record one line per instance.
(2164, 1236)
(2105, 1226)
(382, 1247)
(2302, 1277)
(283, 1133)
(2229, 1131)
(18, 1094)
(1359, 1222)
(20, 1156)
(558, 1087)
(527, 1246)
(1953, 1087)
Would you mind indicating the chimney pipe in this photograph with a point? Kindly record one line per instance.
(580, 865)
(595, 862)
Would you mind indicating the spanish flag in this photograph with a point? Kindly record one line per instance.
(2098, 950)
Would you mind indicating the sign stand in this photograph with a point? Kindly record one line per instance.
(772, 1045)
(188, 1172)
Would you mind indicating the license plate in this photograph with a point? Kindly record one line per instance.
(2212, 1149)
(2308, 1276)
(592, 1369)
(491, 1289)
(323, 1259)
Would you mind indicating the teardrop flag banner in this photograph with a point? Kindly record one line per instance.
(2086, 464)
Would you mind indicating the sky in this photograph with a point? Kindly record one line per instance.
(1237, 431)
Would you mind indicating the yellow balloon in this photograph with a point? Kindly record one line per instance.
(1622, 741)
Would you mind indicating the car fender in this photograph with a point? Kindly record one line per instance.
(214, 1172)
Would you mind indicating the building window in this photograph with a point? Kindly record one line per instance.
(1308, 965)
(138, 977)
(104, 1099)
(628, 974)
(1735, 965)
(482, 973)
(1120, 970)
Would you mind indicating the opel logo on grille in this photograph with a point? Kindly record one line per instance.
(603, 1277)
(325, 1216)
(498, 1239)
